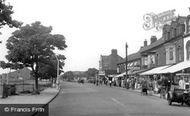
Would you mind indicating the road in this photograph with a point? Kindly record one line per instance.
(86, 99)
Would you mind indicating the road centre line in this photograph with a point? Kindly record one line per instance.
(126, 109)
(119, 102)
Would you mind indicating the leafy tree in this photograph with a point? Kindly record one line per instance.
(5, 16)
(68, 75)
(33, 45)
(49, 70)
(2, 64)
(91, 72)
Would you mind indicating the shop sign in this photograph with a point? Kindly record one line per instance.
(101, 72)
(105, 65)
(180, 74)
(158, 21)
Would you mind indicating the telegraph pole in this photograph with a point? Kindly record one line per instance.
(126, 47)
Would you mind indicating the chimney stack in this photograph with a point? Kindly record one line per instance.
(114, 51)
(145, 43)
(153, 39)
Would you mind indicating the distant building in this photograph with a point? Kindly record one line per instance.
(133, 63)
(16, 75)
(108, 63)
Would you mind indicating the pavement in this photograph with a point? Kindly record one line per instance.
(152, 93)
(44, 97)
(139, 91)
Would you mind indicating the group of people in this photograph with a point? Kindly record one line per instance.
(153, 84)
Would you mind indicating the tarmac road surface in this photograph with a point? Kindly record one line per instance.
(86, 99)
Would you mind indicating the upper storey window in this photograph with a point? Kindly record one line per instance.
(170, 54)
(188, 50)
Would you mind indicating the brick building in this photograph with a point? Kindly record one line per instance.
(163, 52)
(108, 63)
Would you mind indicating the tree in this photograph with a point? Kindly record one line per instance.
(15, 66)
(49, 70)
(33, 45)
(5, 16)
(68, 75)
(91, 72)
(2, 64)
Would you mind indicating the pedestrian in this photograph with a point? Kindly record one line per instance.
(110, 82)
(144, 86)
(122, 83)
(181, 83)
(127, 83)
(133, 83)
(97, 82)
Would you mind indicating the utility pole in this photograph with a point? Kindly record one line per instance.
(57, 79)
(126, 47)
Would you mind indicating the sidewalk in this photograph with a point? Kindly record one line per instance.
(44, 97)
(152, 94)
(136, 90)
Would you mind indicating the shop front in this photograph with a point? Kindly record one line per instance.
(177, 72)
(154, 70)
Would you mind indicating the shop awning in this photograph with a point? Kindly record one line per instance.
(121, 75)
(124, 73)
(176, 67)
(139, 71)
(154, 70)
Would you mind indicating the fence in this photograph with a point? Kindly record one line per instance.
(23, 87)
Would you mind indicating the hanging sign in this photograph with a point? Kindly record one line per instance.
(158, 21)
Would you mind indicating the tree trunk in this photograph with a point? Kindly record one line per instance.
(36, 84)
(36, 80)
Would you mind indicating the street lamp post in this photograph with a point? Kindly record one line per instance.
(126, 46)
(57, 80)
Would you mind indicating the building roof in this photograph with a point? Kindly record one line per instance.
(153, 45)
(104, 57)
(131, 57)
(180, 19)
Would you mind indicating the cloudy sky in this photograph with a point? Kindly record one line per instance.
(93, 27)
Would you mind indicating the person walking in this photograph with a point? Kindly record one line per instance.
(110, 82)
(133, 83)
(181, 83)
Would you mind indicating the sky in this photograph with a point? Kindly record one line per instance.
(92, 27)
